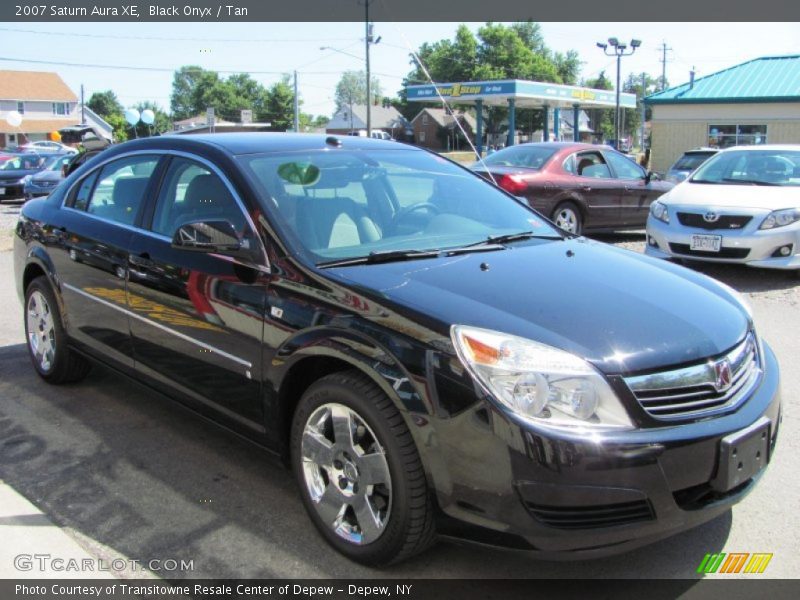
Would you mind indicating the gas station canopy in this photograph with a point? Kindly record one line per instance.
(516, 93)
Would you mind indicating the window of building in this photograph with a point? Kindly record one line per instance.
(60, 108)
(21, 107)
(724, 136)
(421, 136)
(424, 120)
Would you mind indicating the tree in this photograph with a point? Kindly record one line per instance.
(105, 104)
(601, 119)
(352, 89)
(633, 85)
(280, 105)
(184, 84)
(498, 51)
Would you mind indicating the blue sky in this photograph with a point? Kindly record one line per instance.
(269, 49)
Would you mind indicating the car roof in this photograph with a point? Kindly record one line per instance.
(257, 142)
(752, 148)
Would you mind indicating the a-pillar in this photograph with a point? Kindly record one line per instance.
(576, 112)
(479, 126)
(512, 121)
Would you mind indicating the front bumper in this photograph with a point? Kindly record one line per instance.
(569, 497)
(12, 191)
(749, 245)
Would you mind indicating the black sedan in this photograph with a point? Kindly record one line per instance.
(426, 352)
(16, 171)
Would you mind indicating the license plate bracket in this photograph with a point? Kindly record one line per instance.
(706, 243)
(742, 455)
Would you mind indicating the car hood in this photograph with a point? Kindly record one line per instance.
(736, 196)
(622, 311)
(47, 176)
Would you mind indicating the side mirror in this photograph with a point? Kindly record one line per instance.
(651, 176)
(217, 237)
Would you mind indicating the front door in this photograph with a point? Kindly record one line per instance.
(637, 192)
(197, 317)
(600, 191)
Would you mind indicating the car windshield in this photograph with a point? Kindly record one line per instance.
(689, 162)
(21, 162)
(528, 157)
(752, 167)
(345, 204)
(54, 163)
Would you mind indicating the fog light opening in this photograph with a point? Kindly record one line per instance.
(652, 241)
(783, 251)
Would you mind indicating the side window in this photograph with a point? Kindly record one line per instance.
(569, 164)
(591, 164)
(191, 192)
(80, 197)
(119, 193)
(625, 168)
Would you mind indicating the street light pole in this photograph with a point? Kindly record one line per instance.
(618, 50)
(367, 41)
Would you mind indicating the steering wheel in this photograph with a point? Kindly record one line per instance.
(404, 212)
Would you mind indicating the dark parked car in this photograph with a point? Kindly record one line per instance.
(688, 162)
(425, 351)
(580, 187)
(45, 181)
(15, 171)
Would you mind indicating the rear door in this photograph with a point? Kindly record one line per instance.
(595, 184)
(637, 192)
(197, 317)
(99, 219)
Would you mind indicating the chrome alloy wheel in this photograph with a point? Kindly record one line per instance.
(567, 220)
(41, 331)
(346, 473)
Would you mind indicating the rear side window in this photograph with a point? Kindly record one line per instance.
(591, 164)
(120, 190)
(82, 193)
(689, 162)
(191, 192)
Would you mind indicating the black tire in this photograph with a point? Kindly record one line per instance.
(568, 208)
(66, 366)
(409, 528)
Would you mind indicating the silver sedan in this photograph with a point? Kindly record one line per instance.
(742, 206)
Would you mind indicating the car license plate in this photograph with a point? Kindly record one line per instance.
(706, 243)
(742, 455)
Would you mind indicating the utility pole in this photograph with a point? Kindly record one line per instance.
(644, 93)
(367, 34)
(663, 61)
(296, 106)
(83, 111)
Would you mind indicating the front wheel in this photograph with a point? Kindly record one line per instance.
(360, 476)
(568, 217)
(46, 339)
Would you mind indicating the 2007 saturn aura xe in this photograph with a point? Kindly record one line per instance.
(427, 353)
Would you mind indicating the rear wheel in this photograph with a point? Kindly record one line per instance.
(568, 217)
(360, 476)
(46, 339)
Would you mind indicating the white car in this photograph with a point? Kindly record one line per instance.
(741, 206)
(48, 146)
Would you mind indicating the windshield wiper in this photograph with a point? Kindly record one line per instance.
(705, 181)
(749, 181)
(380, 257)
(512, 237)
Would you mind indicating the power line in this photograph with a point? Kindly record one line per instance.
(175, 39)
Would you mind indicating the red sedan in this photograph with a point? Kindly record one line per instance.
(581, 187)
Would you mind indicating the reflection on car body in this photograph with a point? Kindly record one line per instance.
(426, 352)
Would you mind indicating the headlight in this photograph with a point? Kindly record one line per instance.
(659, 211)
(780, 218)
(25, 179)
(540, 383)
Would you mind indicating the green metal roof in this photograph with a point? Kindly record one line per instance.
(766, 79)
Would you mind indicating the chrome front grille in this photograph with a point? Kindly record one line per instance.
(714, 386)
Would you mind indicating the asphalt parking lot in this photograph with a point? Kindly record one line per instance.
(127, 473)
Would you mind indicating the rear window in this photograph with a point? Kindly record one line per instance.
(528, 157)
(689, 162)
